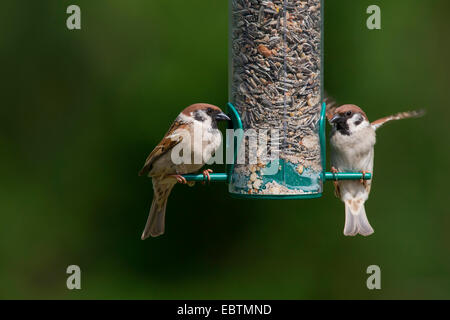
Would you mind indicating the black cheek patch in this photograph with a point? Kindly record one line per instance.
(359, 121)
(198, 116)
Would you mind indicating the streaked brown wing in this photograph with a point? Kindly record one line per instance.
(399, 116)
(331, 106)
(166, 144)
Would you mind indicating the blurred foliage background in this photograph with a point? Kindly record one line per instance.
(80, 111)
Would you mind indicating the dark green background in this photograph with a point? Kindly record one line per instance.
(80, 111)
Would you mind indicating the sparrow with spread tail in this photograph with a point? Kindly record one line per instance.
(195, 129)
(352, 150)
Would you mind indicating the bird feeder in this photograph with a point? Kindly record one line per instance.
(275, 94)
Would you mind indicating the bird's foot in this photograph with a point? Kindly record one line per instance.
(334, 170)
(206, 175)
(337, 191)
(363, 181)
(180, 178)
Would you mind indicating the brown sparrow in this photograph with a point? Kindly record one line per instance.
(352, 150)
(193, 134)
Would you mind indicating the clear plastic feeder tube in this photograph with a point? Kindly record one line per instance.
(275, 84)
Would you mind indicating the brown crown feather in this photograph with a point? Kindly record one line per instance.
(199, 106)
(350, 107)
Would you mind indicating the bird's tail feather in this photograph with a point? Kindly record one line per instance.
(156, 217)
(356, 219)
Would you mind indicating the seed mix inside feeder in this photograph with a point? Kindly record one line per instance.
(275, 84)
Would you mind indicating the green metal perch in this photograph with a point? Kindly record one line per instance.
(329, 176)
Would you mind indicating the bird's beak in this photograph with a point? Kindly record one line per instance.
(335, 118)
(222, 117)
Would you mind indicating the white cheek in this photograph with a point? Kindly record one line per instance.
(207, 122)
(353, 127)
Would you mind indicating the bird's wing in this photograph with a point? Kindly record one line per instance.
(399, 116)
(169, 141)
(331, 104)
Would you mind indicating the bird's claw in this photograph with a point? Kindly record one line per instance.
(334, 171)
(180, 178)
(206, 175)
(363, 180)
(337, 191)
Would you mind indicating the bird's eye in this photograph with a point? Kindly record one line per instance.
(349, 113)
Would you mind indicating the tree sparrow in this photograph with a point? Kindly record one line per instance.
(194, 132)
(352, 150)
